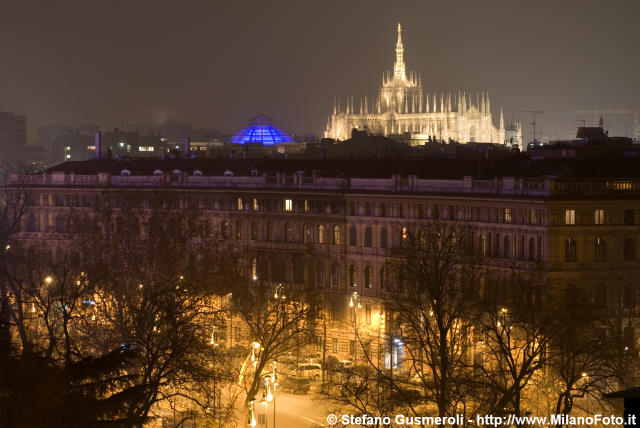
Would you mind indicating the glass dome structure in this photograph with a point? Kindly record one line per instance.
(262, 131)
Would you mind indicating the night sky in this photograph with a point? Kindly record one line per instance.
(215, 64)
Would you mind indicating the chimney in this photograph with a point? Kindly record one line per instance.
(97, 141)
(187, 147)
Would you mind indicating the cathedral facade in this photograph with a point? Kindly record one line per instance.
(402, 107)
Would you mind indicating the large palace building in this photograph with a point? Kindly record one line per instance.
(332, 226)
(402, 107)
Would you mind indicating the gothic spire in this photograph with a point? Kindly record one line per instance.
(398, 67)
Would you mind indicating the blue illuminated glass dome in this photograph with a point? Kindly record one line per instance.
(261, 131)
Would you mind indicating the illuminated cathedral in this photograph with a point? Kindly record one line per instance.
(403, 108)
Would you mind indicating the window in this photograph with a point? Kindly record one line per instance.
(335, 274)
(482, 245)
(353, 236)
(353, 276)
(307, 206)
(334, 345)
(381, 278)
(570, 217)
(224, 229)
(320, 234)
(238, 230)
(506, 215)
(383, 238)
(255, 205)
(368, 237)
(600, 250)
(288, 205)
(254, 269)
(336, 234)
(532, 249)
(367, 311)
(288, 232)
(506, 247)
(352, 347)
(629, 296)
(629, 250)
(269, 231)
(254, 231)
(306, 234)
(629, 217)
(600, 296)
(367, 276)
(239, 204)
(570, 250)
(403, 233)
(599, 217)
(320, 274)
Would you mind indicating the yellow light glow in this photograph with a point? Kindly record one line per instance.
(48, 279)
(351, 302)
(33, 308)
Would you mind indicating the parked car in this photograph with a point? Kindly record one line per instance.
(296, 385)
(309, 371)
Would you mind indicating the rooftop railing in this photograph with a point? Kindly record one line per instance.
(404, 184)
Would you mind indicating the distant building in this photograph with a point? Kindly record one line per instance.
(402, 107)
(13, 139)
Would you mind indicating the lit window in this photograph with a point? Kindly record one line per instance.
(570, 217)
(255, 205)
(336, 235)
(307, 207)
(599, 217)
(507, 215)
(320, 234)
(68, 156)
(67, 148)
(288, 205)
(404, 234)
(254, 269)
(239, 204)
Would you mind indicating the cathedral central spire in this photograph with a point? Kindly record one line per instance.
(398, 67)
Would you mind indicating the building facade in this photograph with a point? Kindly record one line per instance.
(337, 235)
(402, 107)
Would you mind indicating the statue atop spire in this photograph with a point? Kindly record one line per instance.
(398, 67)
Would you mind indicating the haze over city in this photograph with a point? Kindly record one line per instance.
(216, 64)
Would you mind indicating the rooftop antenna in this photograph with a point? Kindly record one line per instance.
(533, 121)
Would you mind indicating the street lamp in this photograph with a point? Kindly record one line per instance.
(279, 291)
(355, 300)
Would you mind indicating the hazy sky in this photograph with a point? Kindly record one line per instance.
(218, 63)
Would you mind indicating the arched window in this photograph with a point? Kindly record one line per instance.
(600, 249)
(320, 234)
(254, 231)
(367, 277)
(383, 237)
(353, 236)
(570, 250)
(381, 278)
(336, 234)
(335, 274)
(224, 229)
(629, 250)
(288, 232)
(506, 247)
(368, 237)
(353, 276)
(532, 249)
